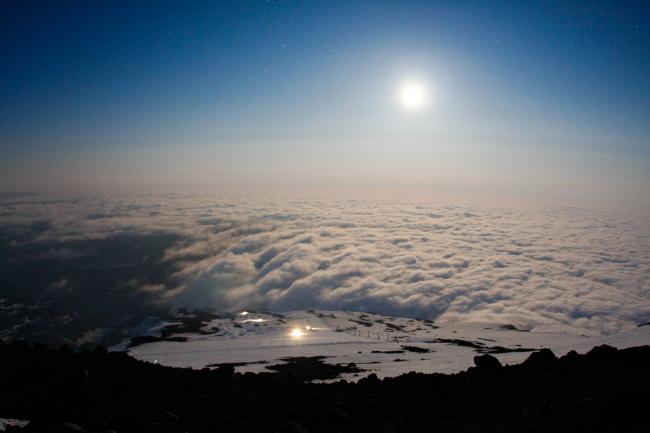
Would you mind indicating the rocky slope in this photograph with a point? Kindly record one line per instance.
(604, 390)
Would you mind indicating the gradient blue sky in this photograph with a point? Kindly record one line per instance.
(550, 99)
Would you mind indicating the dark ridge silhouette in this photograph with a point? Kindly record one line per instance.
(605, 390)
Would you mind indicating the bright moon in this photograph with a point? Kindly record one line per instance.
(412, 96)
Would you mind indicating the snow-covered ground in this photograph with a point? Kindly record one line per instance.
(384, 345)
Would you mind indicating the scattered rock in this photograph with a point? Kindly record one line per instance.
(510, 327)
(234, 364)
(416, 349)
(361, 322)
(487, 362)
(307, 368)
(479, 346)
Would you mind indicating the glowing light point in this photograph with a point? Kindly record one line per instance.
(296, 333)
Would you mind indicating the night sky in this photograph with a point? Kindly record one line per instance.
(522, 98)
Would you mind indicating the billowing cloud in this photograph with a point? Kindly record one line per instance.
(550, 268)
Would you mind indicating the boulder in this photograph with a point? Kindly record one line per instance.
(487, 363)
(542, 359)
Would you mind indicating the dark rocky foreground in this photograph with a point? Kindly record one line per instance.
(606, 390)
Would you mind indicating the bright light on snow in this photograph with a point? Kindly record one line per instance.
(296, 333)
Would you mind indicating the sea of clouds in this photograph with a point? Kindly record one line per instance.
(539, 268)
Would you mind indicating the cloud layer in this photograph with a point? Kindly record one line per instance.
(544, 268)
